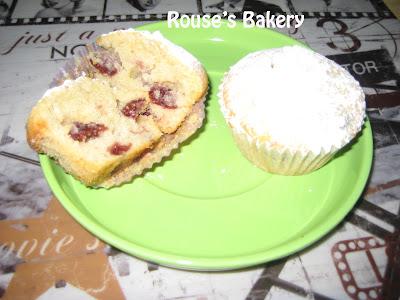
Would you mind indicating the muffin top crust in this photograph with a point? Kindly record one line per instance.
(294, 98)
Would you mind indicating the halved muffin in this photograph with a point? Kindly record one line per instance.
(132, 94)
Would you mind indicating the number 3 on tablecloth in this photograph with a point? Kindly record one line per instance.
(342, 30)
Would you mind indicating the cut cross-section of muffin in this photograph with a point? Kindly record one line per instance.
(130, 102)
(83, 126)
(171, 77)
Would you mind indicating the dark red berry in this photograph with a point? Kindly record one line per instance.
(82, 132)
(135, 108)
(118, 149)
(163, 96)
(105, 66)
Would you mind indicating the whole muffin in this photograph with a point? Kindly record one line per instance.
(291, 109)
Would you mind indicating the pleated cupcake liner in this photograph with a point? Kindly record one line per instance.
(283, 161)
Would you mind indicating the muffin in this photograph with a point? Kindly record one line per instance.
(291, 109)
(120, 108)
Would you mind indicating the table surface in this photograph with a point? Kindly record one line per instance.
(45, 254)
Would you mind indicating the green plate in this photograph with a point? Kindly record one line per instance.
(207, 207)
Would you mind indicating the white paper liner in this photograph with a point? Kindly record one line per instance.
(281, 161)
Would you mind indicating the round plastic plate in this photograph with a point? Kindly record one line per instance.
(206, 207)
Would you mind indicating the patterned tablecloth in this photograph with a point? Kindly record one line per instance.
(45, 254)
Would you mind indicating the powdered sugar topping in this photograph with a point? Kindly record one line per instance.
(294, 97)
